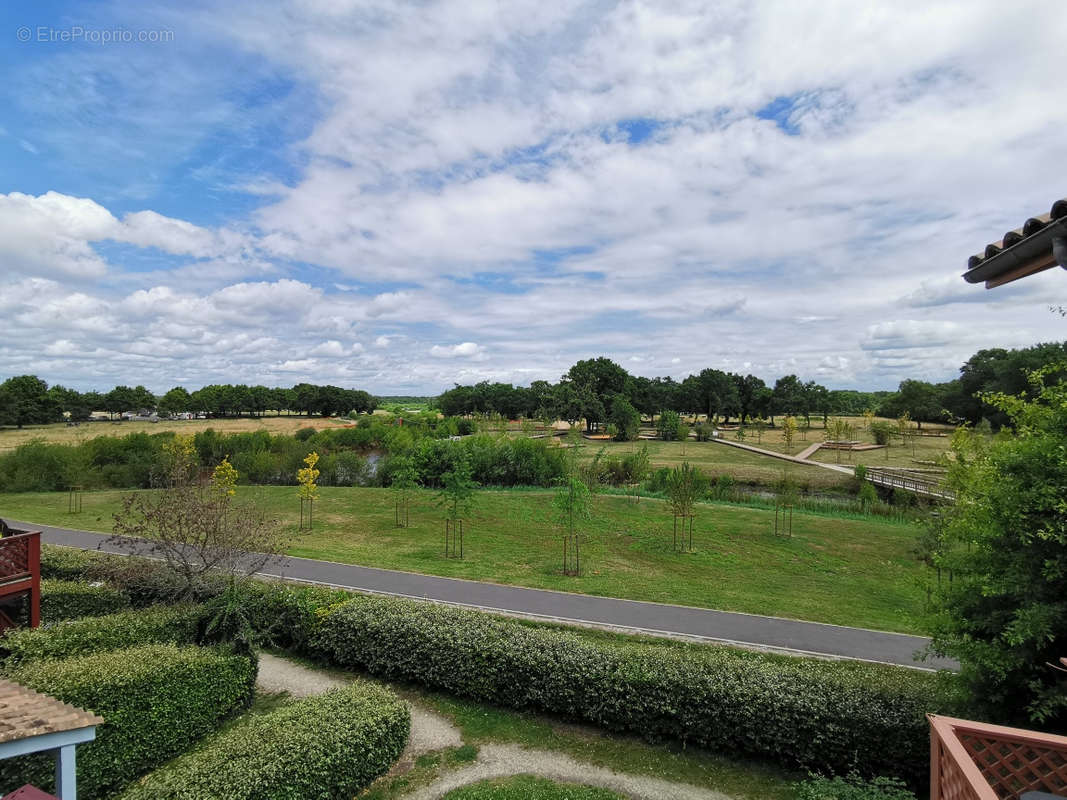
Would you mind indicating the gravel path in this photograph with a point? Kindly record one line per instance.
(429, 731)
(502, 760)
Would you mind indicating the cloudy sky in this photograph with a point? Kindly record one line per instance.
(399, 196)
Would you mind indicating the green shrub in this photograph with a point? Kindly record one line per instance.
(159, 624)
(303, 434)
(71, 599)
(852, 788)
(882, 431)
(831, 716)
(156, 700)
(667, 425)
(66, 563)
(329, 746)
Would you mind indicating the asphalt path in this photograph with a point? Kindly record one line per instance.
(773, 633)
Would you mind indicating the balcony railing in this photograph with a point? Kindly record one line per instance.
(20, 572)
(975, 761)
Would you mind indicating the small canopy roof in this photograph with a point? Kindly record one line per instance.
(25, 713)
(1020, 252)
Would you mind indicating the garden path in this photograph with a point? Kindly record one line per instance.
(431, 731)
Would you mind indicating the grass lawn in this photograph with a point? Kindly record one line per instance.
(846, 571)
(716, 459)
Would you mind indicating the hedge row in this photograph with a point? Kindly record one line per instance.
(828, 716)
(329, 747)
(156, 700)
(155, 625)
(822, 715)
(71, 599)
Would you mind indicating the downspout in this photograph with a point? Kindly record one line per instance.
(1059, 250)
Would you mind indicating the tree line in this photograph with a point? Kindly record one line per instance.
(600, 391)
(28, 400)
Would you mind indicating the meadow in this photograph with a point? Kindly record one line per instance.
(61, 433)
(857, 571)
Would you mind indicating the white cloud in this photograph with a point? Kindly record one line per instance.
(463, 350)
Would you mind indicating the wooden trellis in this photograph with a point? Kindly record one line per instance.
(683, 532)
(783, 519)
(572, 564)
(74, 500)
(453, 538)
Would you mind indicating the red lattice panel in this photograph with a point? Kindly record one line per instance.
(14, 556)
(953, 783)
(1014, 767)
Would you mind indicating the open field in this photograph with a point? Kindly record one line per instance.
(10, 438)
(918, 449)
(846, 571)
(715, 459)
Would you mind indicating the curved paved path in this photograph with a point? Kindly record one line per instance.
(771, 633)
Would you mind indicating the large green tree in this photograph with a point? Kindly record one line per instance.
(24, 400)
(1004, 614)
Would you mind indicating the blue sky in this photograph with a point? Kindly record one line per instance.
(402, 196)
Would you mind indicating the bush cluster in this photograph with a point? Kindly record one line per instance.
(159, 624)
(71, 599)
(820, 715)
(852, 787)
(156, 700)
(327, 747)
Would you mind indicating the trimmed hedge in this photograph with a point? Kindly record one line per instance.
(156, 700)
(155, 625)
(67, 563)
(821, 715)
(828, 716)
(329, 747)
(71, 599)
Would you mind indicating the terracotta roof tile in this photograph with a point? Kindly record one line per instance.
(25, 713)
(1012, 238)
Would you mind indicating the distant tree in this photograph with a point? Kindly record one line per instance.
(572, 507)
(667, 424)
(683, 488)
(789, 431)
(1004, 616)
(921, 401)
(120, 400)
(24, 400)
(749, 390)
(308, 490)
(597, 381)
(143, 400)
(405, 480)
(70, 402)
(175, 401)
(456, 496)
(682, 434)
(625, 418)
(788, 396)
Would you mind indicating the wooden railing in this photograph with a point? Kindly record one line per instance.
(20, 569)
(912, 484)
(975, 761)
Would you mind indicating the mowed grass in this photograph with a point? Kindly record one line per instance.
(917, 449)
(846, 571)
(10, 438)
(718, 459)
